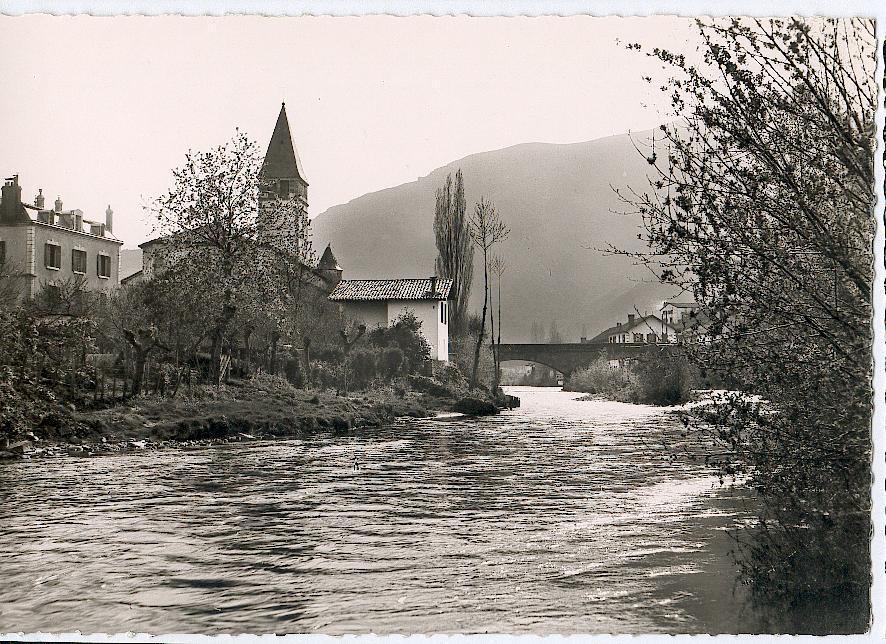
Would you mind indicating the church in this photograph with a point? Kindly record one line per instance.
(372, 302)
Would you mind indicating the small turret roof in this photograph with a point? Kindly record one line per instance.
(328, 261)
(281, 160)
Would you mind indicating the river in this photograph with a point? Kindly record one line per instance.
(561, 516)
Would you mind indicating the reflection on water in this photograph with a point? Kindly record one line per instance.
(561, 516)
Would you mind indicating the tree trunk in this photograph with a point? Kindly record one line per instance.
(498, 342)
(141, 361)
(307, 368)
(482, 321)
(273, 366)
(492, 342)
(247, 336)
(218, 335)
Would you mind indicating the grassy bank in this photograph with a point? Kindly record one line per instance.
(261, 408)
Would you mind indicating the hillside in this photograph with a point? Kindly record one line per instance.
(559, 204)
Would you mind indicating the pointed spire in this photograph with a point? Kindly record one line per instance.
(281, 160)
(328, 260)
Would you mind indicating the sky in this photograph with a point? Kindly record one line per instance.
(99, 110)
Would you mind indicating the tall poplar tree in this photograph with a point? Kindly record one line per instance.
(455, 250)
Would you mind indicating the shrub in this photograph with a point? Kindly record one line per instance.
(662, 379)
(600, 378)
(404, 333)
(450, 374)
(392, 361)
(364, 367)
(430, 386)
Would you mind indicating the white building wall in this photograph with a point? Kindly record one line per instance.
(428, 312)
(372, 314)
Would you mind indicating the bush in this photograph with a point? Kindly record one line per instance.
(430, 386)
(600, 378)
(405, 334)
(364, 367)
(392, 361)
(663, 379)
(450, 374)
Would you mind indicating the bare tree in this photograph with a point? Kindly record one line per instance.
(487, 229)
(497, 267)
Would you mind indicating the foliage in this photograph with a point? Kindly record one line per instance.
(761, 206)
(405, 334)
(600, 378)
(651, 380)
(455, 250)
(42, 365)
(662, 379)
(224, 227)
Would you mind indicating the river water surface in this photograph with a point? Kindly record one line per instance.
(561, 516)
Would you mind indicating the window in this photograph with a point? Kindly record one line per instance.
(103, 265)
(650, 338)
(283, 188)
(638, 337)
(52, 256)
(2, 252)
(443, 312)
(78, 261)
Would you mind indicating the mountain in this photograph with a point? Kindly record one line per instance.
(559, 202)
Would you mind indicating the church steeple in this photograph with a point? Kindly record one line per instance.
(282, 167)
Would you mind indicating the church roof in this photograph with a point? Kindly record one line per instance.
(397, 289)
(281, 160)
(328, 261)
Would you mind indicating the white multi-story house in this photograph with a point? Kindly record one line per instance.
(42, 247)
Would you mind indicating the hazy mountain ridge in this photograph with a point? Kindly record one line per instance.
(559, 203)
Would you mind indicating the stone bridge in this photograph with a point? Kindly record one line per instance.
(566, 358)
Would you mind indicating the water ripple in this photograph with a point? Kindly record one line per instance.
(562, 516)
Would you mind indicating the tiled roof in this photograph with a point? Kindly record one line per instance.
(380, 290)
(603, 336)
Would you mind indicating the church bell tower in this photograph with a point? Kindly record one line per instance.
(282, 171)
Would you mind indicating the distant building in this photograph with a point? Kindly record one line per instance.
(678, 313)
(380, 302)
(645, 329)
(44, 246)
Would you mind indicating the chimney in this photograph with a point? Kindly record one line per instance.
(433, 285)
(12, 199)
(78, 221)
(58, 204)
(630, 318)
(617, 324)
(40, 200)
(109, 219)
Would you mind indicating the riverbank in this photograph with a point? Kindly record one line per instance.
(263, 408)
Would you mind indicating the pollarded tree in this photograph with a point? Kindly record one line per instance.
(761, 204)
